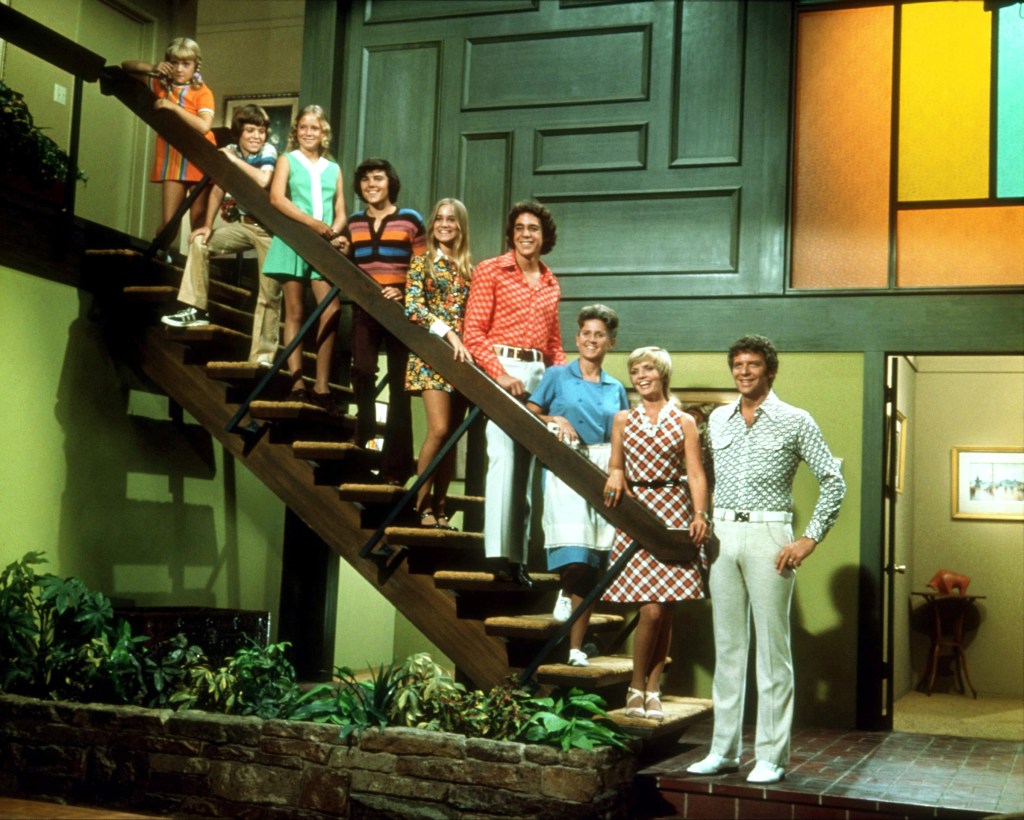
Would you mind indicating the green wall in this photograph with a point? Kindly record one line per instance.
(97, 475)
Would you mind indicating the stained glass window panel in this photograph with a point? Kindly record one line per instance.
(945, 83)
(1010, 103)
(952, 247)
(842, 143)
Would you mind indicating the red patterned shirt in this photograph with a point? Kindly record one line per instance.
(504, 310)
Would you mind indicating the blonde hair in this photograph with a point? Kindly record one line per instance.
(460, 256)
(662, 363)
(325, 128)
(185, 48)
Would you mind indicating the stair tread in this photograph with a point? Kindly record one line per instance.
(270, 410)
(485, 581)
(320, 450)
(542, 627)
(680, 712)
(604, 670)
(423, 537)
(386, 493)
(203, 333)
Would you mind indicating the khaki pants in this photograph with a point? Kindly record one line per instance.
(195, 283)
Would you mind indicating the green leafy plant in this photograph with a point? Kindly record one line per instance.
(572, 720)
(24, 149)
(254, 681)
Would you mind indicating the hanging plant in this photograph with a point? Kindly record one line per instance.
(25, 151)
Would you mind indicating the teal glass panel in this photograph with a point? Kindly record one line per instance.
(1010, 104)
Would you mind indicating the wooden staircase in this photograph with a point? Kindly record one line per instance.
(438, 579)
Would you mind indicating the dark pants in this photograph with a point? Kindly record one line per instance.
(367, 337)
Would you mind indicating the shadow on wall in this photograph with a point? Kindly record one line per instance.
(125, 526)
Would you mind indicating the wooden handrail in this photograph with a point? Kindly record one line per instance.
(37, 39)
(573, 468)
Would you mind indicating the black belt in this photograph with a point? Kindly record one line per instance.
(656, 485)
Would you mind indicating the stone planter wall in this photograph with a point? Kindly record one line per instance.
(200, 764)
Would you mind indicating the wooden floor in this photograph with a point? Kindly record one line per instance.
(13, 809)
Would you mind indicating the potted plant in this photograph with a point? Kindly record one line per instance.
(29, 159)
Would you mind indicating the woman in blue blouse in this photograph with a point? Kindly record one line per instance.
(578, 402)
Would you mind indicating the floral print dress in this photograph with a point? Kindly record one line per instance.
(435, 291)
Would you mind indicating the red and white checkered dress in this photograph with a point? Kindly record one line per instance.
(654, 452)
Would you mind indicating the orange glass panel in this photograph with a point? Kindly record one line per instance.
(960, 246)
(841, 150)
(946, 51)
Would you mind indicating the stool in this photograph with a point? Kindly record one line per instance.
(949, 610)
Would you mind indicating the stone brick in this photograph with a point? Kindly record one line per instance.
(381, 783)
(295, 747)
(163, 744)
(58, 760)
(300, 729)
(325, 790)
(230, 751)
(542, 755)
(404, 741)
(179, 763)
(514, 777)
(366, 806)
(259, 784)
(278, 761)
(215, 728)
(499, 751)
(578, 785)
(352, 758)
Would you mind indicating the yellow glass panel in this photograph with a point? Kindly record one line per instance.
(944, 101)
(841, 149)
(960, 247)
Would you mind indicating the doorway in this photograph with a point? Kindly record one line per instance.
(939, 403)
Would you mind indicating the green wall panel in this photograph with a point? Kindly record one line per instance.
(614, 147)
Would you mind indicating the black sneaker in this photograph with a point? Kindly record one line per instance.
(188, 317)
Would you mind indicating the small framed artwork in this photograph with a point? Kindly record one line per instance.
(988, 483)
(900, 449)
(281, 108)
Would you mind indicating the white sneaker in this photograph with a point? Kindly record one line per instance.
(714, 764)
(578, 658)
(268, 363)
(563, 609)
(764, 772)
(187, 317)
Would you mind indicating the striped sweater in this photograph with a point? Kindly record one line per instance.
(385, 253)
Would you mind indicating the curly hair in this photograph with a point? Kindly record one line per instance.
(755, 343)
(547, 223)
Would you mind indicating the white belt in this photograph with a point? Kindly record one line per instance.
(754, 516)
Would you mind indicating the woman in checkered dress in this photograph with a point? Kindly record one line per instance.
(654, 446)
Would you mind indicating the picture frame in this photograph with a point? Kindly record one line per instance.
(281, 108)
(900, 449)
(987, 483)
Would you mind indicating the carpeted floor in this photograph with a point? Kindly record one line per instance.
(960, 716)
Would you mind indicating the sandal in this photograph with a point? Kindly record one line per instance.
(656, 713)
(424, 515)
(298, 395)
(635, 703)
(442, 522)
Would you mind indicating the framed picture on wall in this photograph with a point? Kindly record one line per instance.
(988, 483)
(281, 108)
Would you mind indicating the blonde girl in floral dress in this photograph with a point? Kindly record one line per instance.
(436, 289)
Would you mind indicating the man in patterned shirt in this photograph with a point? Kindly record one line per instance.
(511, 329)
(757, 444)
